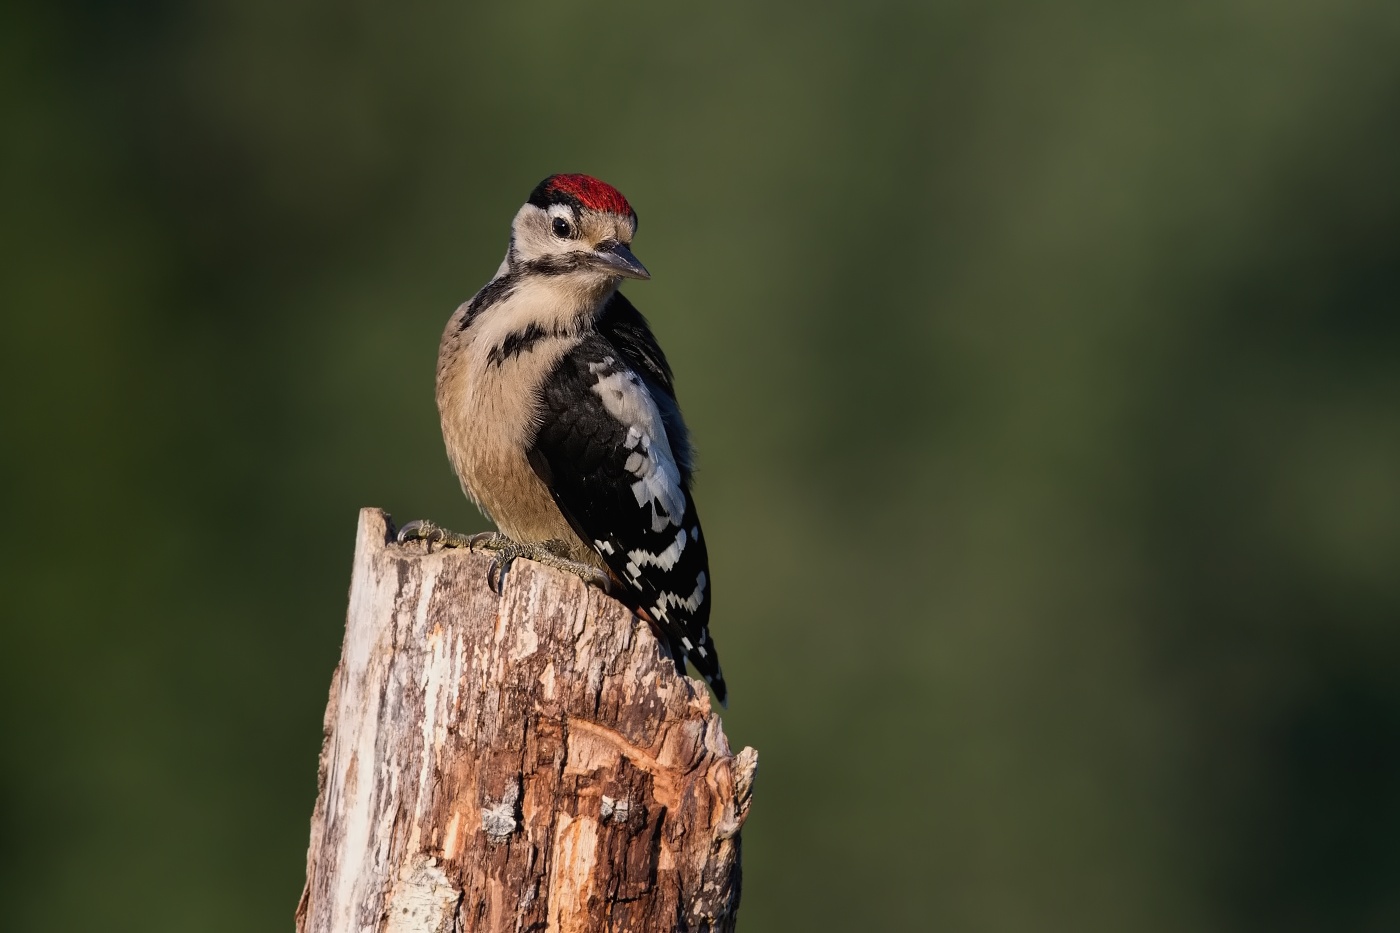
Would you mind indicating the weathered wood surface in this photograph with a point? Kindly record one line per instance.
(525, 762)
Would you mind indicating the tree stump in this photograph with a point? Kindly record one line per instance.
(525, 762)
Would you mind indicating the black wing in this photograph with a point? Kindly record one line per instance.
(625, 328)
(604, 454)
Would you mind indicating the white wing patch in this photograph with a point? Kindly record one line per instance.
(665, 560)
(651, 460)
(692, 603)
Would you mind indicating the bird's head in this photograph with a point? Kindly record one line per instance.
(576, 225)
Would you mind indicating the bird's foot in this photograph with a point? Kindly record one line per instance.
(506, 551)
(431, 533)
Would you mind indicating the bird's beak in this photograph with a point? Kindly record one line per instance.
(618, 259)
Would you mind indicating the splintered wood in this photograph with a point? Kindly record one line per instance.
(525, 762)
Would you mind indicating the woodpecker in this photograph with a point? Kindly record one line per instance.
(560, 419)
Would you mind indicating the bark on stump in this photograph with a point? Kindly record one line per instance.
(525, 762)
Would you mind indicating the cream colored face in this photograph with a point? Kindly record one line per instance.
(562, 230)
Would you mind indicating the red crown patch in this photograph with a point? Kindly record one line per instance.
(588, 191)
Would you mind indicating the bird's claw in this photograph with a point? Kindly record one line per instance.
(489, 540)
(431, 533)
(417, 530)
(505, 550)
(497, 571)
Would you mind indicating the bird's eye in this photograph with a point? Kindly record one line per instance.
(562, 228)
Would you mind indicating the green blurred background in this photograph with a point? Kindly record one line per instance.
(1044, 361)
